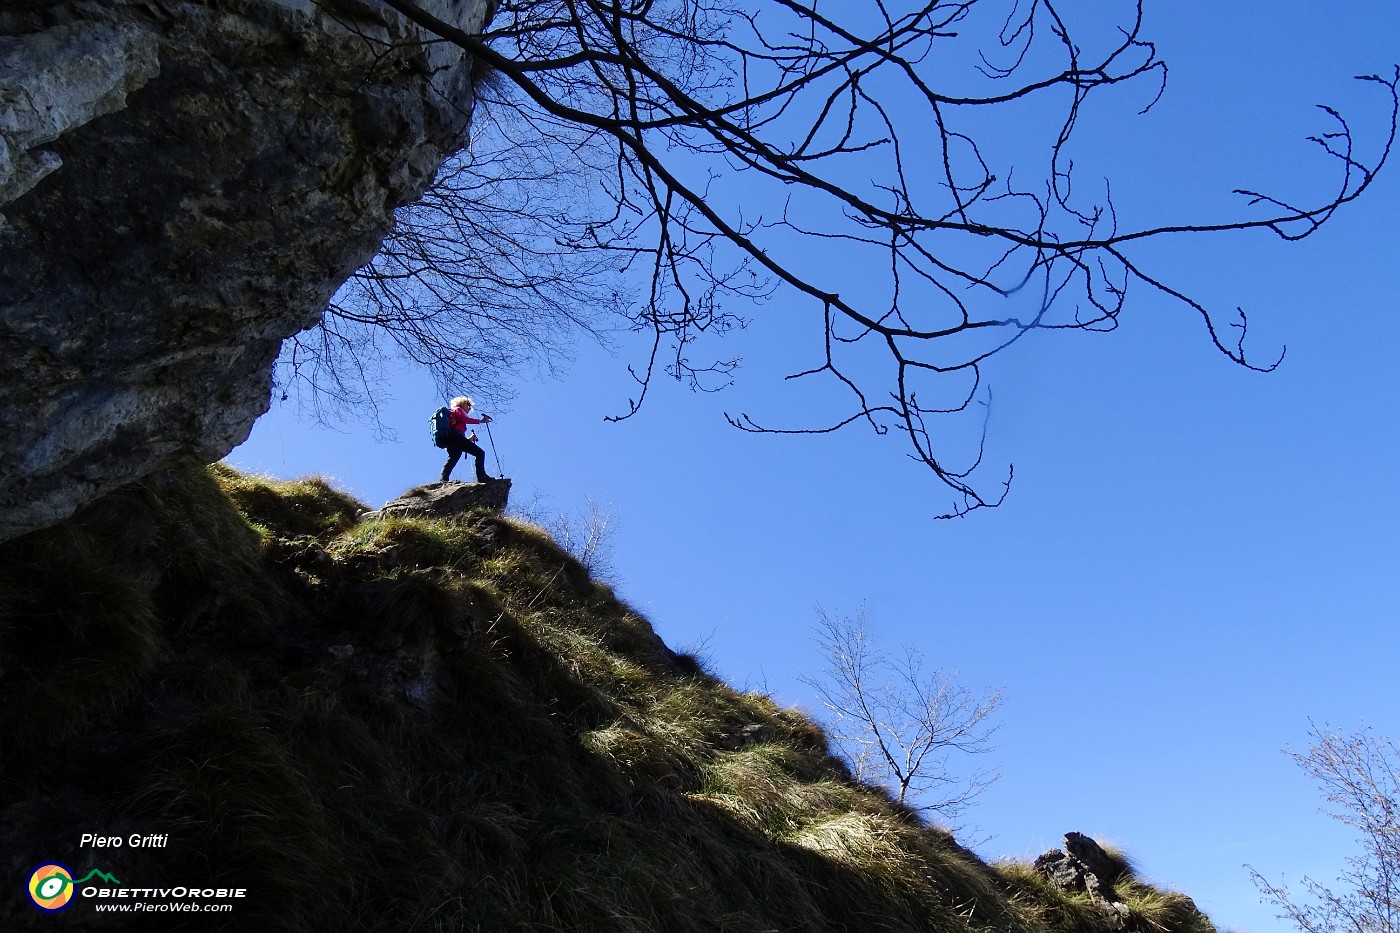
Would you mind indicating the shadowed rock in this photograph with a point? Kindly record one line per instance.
(1083, 867)
(183, 185)
(438, 500)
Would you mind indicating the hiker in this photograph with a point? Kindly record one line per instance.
(459, 442)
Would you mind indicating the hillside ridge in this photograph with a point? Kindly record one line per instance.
(432, 724)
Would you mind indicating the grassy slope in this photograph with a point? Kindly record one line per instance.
(429, 726)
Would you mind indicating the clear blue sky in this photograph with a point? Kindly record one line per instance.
(1194, 560)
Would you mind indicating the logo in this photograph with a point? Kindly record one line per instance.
(51, 885)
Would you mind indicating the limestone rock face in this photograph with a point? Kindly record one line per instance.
(438, 500)
(183, 185)
(59, 79)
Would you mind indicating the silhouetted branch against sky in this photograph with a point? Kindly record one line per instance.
(739, 155)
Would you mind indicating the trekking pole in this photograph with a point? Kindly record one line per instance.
(500, 470)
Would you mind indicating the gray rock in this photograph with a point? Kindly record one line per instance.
(752, 734)
(1083, 867)
(59, 79)
(184, 185)
(1093, 858)
(439, 500)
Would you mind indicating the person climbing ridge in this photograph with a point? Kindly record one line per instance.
(460, 442)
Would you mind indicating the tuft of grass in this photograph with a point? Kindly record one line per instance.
(401, 541)
(226, 777)
(640, 758)
(76, 634)
(307, 507)
(1045, 905)
(406, 608)
(1121, 867)
(211, 571)
(539, 558)
(1150, 910)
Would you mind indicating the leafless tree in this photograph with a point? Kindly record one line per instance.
(899, 723)
(739, 152)
(587, 533)
(1359, 775)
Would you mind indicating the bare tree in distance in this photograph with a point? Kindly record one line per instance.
(1359, 776)
(899, 723)
(751, 154)
(588, 533)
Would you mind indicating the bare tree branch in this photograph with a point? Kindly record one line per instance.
(1359, 776)
(737, 153)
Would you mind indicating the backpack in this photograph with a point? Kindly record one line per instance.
(440, 427)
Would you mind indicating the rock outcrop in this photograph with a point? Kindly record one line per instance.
(1083, 867)
(439, 500)
(183, 185)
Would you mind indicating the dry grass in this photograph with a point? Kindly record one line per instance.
(414, 725)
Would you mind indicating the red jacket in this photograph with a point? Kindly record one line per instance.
(457, 420)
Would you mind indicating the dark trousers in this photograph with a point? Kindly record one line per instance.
(458, 445)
